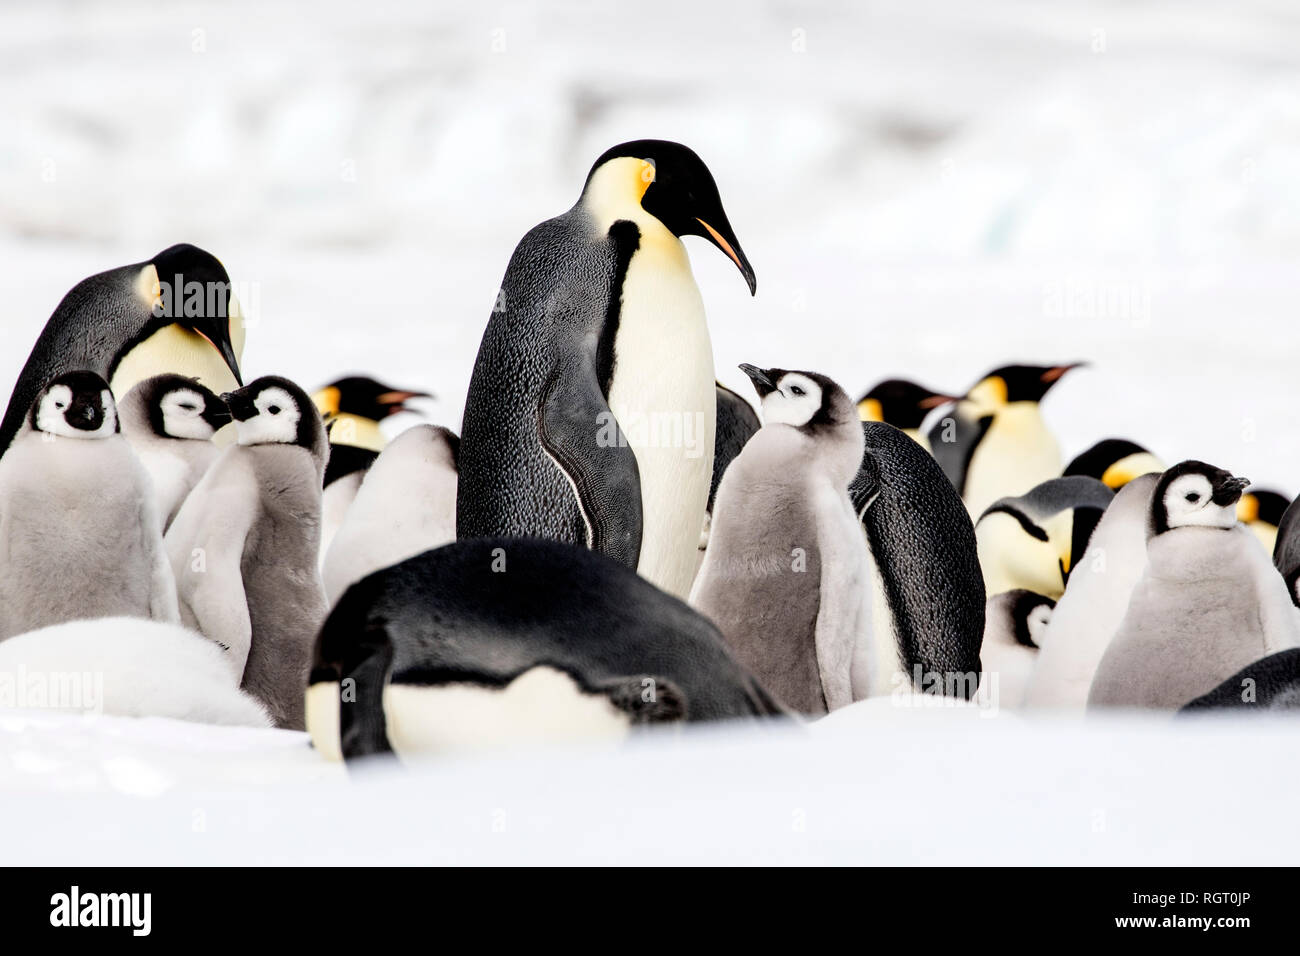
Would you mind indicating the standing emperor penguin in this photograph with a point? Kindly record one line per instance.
(175, 313)
(1087, 615)
(591, 410)
(786, 575)
(994, 443)
(1209, 603)
(170, 421)
(406, 504)
(1114, 462)
(80, 536)
(244, 545)
(903, 404)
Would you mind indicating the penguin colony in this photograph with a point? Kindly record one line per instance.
(250, 553)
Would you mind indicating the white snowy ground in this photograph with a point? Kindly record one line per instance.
(924, 188)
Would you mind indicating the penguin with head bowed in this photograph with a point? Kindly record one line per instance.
(406, 504)
(503, 642)
(174, 313)
(994, 442)
(1114, 462)
(1261, 510)
(927, 592)
(1033, 541)
(1209, 602)
(786, 576)
(244, 545)
(1268, 685)
(1015, 627)
(591, 411)
(170, 421)
(903, 404)
(80, 535)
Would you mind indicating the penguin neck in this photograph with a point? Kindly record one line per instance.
(614, 194)
(357, 431)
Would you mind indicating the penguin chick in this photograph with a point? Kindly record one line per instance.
(1261, 511)
(1269, 684)
(1114, 462)
(498, 642)
(994, 442)
(244, 545)
(1031, 542)
(786, 575)
(80, 536)
(170, 421)
(141, 668)
(903, 404)
(406, 504)
(1015, 626)
(1208, 603)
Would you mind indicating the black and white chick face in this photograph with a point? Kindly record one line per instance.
(76, 405)
(1033, 612)
(181, 408)
(801, 399)
(1194, 494)
(273, 410)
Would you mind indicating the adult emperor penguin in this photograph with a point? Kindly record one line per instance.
(994, 442)
(1261, 510)
(1209, 603)
(786, 576)
(1114, 462)
(1015, 625)
(244, 545)
(1286, 549)
(504, 641)
(1089, 612)
(1032, 541)
(903, 404)
(1269, 684)
(79, 533)
(170, 421)
(406, 504)
(591, 410)
(174, 313)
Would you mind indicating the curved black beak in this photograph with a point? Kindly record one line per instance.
(720, 233)
(223, 345)
(1228, 491)
(762, 379)
(240, 404)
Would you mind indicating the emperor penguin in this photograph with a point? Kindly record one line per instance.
(1115, 462)
(591, 410)
(1087, 615)
(174, 313)
(504, 642)
(80, 536)
(786, 575)
(1286, 549)
(903, 404)
(406, 504)
(1032, 541)
(994, 442)
(1261, 511)
(928, 597)
(1267, 685)
(1015, 626)
(244, 545)
(170, 421)
(1209, 602)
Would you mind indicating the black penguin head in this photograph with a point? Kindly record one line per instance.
(179, 407)
(273, 410)
(1016, 383)
(900, 403)
(1030, 614)
(803, 399)
(1194, 494)
(673, 185)
(75, 405)
(190, 288)
(1114, 462)
(363, 397)
(1262, 506)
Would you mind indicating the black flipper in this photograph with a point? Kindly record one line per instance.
(737, 423)
(955, 454)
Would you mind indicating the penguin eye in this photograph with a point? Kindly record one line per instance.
(188, 407)
(273, 409)
(60, 404)
(1193, 497)
(796, 390)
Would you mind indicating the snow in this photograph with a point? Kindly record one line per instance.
(925, 188)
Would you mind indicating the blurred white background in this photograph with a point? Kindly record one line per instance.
(924, 188)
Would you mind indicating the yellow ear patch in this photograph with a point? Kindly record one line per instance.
(1247, 509)
(327, 401)
(646, 176)
(870, 410)
(989, 394)
(147, 286)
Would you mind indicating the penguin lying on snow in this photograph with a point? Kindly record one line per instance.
(1033, 541)
(786, 575)
(1269, 684)
(1208, 604)
(492, 642)
(170, 421)
(80, 536)
(903, 404)
(1114, 462)
(244, 545)
(1015, 626)
(406, 504)
(591, 411)
(174, 313)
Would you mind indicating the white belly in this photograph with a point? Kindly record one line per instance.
(1017, 453)
(663, 396)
